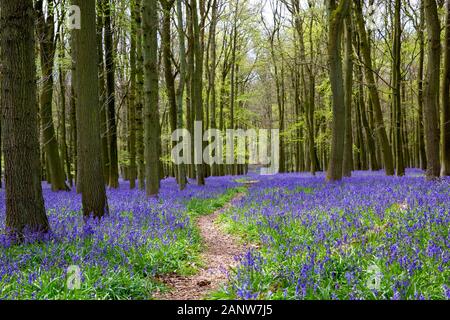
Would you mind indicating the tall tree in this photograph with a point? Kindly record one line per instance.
(336, 15)
(151, 113)
(139, 97)
(102, 91)
(166, 6)
(396, 90)
(420, 129)
(90, 176)
(212, 74)
(24, 202)
(347, 165)
(47, 46)
(431, 92)
(180, 93)
(445, 117)
(133, 96)
(373, 90)
(111, 95)
(197, 90)
(65, 159)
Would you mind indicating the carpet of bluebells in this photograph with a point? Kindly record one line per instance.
(367, 237)
(119, 256)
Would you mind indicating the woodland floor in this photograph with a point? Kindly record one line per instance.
(282, 237)
(219, 256)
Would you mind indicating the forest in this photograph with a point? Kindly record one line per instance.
(225, 149)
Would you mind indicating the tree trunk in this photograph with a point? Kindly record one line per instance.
(431, 94)
(420, 128)
(197, 100)
(396, 92)
(102, 94)
(374, 95)
(90, 168)
(111, 97)
(133, 96)
(65, 160)
(25, 210)
(212, 76)
(347, 165)
(139, 98)
(151, 113)
(337, 14)
(181, 39)
(445, 117)
(47, 45)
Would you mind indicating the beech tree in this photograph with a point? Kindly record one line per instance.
(90, 177)
(431, 92)
(151, 111)
(337, 13)
(25, 210)
(47, 46)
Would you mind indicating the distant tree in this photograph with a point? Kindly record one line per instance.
(373, 90)
(134, 99)
(47, 46)
(111, 95)
(431, 93)
(397, 83)
(90, 174)
(180, 94)
(420, 128)
(337, 13)
(197, 90)
(151, 113)
(445, 118)
(24, 202)
(347, 165)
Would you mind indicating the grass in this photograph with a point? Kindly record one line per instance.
(201, 207)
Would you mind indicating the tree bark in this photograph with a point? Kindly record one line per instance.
(374, 95)
(102, 94)
(337, 14)
(396, 91)
(431, 93)
(111, 97)
(182, 47)
(47, 45)
(197, 100)
(348, 141)
(90, 163)
(25, 210)
(445, 117)
(133, 96)
(420, 128)
(151, 113)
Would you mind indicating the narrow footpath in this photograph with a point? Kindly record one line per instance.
(219, 257)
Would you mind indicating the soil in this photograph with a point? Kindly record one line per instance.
(220, 255)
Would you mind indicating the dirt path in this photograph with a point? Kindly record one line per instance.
(219, 256)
